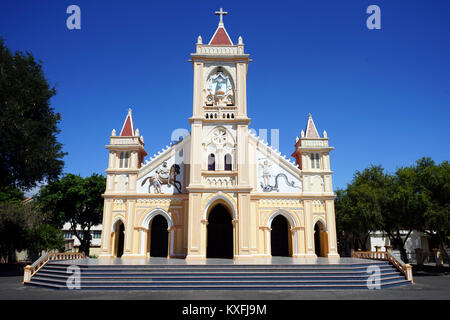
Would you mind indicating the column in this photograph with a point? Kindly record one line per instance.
(106, 249)
(309, 230)
(331, 227)
(196, 229)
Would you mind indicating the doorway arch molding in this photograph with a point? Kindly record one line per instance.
(289, 216)
(322, 221)
(117, 219)
(144, 228)
(229, 203)
(293, 226)
(323, 237)
(114, 237)
(219, 198)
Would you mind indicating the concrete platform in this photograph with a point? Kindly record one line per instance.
(259, 261)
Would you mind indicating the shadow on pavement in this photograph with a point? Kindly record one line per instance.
(12, 269)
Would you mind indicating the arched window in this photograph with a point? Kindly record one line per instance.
(228, 162)
(211, 162)
(123, 159)
(315, 162)
(207, 116)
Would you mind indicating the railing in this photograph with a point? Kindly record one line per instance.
(30, 270)
(406, 269)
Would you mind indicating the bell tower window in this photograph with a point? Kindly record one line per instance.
(315, 161)
(228, 162)
(211, 162)
(123, 159)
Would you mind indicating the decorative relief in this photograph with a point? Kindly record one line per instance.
(317, 184)
(222, 182)
(119, 204)
(219, 89)
(318, 206)
(267, 175)
(217, 50)
(314, 143)
(159, 201)
(280, 202)
(121, 183)
(164, 176)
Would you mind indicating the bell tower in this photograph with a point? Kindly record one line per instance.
(312, 154)
(126, 154)
(219, 156)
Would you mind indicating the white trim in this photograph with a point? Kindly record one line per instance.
(146, 222)
(292, 224)
(113, 225)
(132, 124)
(223, 27)
(285, 214)
(315, 220)
(214, 199)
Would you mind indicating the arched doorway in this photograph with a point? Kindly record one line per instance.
(119, 238)
(320, 240)
(280, 237)
(220, 233)
(159, 237)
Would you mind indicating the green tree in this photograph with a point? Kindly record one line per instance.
(433, 183)
(13, 230)
(10, 193)
(22, 228)
(75, 200)
(29, 150)
(359, 207)
(403, 210)
(43, 237)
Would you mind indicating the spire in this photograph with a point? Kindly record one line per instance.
(311, 131)
(221, 36)
(128, 127)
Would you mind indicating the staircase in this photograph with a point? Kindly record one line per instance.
(54, 274)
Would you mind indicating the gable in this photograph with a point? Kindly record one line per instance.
(172, 156)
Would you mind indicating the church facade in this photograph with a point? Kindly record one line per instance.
(220, 192)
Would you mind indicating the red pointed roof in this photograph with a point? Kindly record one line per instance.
(221, 37)
(128, 127)
(311, 131)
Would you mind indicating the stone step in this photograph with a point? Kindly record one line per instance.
(270, 281)
(233, 286)
(170, 277)
(219, 266)
(218, 273)
(208, 269)
(217, 276)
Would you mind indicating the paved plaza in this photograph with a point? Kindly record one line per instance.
(426, 287)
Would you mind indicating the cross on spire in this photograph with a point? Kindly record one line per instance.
(221, 13)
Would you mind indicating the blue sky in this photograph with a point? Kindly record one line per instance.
(383, 96)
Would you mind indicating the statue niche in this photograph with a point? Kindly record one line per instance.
(219, 89)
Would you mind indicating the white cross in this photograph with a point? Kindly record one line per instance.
(221, 13)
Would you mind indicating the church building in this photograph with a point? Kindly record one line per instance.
(221, 191)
